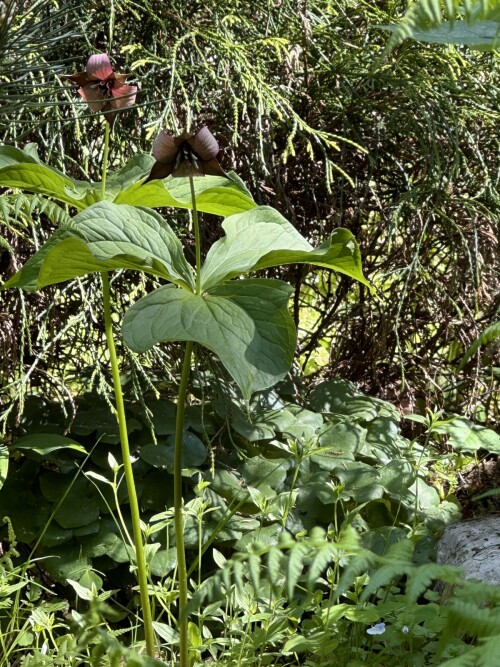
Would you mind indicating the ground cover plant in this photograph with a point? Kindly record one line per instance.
(179, 485)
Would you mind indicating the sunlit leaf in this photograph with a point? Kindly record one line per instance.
(246, 323)
(214, 194)
(261, 238)
(102, 238)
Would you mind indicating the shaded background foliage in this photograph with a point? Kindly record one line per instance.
(400, 148)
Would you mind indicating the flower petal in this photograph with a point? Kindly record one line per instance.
(159, 171)
(92, 94)
(80, 79)
(123, 96)
(165, 148)
(204, 144)
(212, 168)
(378, 629)
(99, 67)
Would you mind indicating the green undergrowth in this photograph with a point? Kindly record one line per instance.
(310, 531)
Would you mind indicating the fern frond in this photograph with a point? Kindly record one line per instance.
(55, 213)
(321, 560)
(484, 655)
(360, 564)
(295, 566)
(479, 621)
(479, 593)
(421, 578)
(274, 567)
(397, 562)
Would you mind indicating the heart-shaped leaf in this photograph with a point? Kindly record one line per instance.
(262, 237)
(246, 323)
(106, 237)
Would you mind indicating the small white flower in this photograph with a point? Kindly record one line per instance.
(405, 629)
(44, 649)
(378, 629)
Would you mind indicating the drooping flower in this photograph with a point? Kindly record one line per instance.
(378, 629)
(102, 89)
(185, 155)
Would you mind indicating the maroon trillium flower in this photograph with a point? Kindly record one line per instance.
(101, 88)
(185, 155)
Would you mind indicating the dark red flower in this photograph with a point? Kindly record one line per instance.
(185, 155)
(101, 88)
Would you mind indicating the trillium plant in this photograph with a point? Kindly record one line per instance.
(102, 89)
(217, 303)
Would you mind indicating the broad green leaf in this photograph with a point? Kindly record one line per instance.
(66, 562)
(362, 481)
(41, 179)
(246, 323)
(194, 453)
(163, 562)
(465, 436)
(214, 194)
(45, 443)
(28, 512)
(332, 395)
(107, 542)
(480, 35)
(10, 155)
(77, 507)
(397, 476)
(162, 415)
(261, 237)
(55, 535)
(106, 237)
(136, 168)
(264, 535)
(259, 471)
(19, 170)
(338, 443)
(4, 464)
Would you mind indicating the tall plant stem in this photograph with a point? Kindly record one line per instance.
(179, 430)
(196, 226)
(125, 447)
(129, 474)
(178, 508)
(105, 158)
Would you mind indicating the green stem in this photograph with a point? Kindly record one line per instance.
(122, 427)
(196, 226)
(178, 508)
(129, 475)
(105, 159)
(179, 431)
